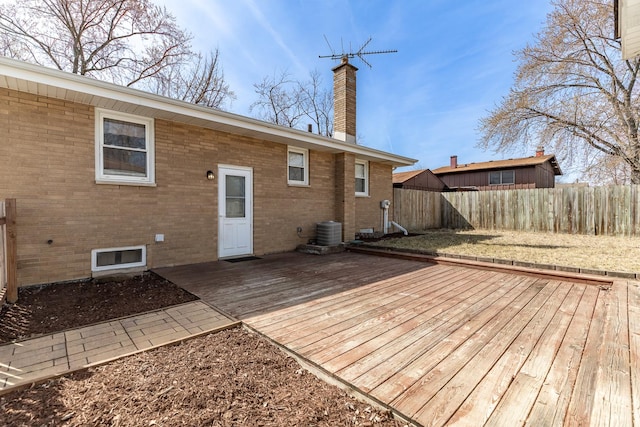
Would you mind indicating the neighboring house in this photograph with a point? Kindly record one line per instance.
(538, 171)
(111, 179)
(422, 179)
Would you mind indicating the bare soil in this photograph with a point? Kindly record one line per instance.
(606, 253)
(229, 378)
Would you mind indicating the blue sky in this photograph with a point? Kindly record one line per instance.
(454, 62)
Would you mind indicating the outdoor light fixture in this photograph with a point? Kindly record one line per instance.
(210, 175)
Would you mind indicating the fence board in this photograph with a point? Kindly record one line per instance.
(417, 210)
(12, 250)
(613, 210)
(8, 251)
(635, 211)
(3, 251)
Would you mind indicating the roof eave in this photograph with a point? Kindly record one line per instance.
(38, 80)
(480, 167)
(556, 167)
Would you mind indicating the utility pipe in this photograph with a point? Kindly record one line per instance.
(384, 205)
(404, 230)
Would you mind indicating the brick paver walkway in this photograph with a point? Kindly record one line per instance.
(31, 360)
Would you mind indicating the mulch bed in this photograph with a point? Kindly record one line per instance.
(229, 378)
(390, 236)
(225, 379)
(55, 307)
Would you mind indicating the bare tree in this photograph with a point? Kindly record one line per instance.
(317, 103)
(607, 170)
(129, 42)
(199, 82)
(278, 101)
(572, 91)
(284, 101)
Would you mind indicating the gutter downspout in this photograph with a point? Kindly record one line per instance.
(404, 230)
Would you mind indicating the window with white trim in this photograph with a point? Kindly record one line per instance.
(502, 177)
(362, 178)
(124, 148)
(118, 258)
(298, 166)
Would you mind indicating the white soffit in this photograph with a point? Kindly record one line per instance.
(629, 27)
(38, 80)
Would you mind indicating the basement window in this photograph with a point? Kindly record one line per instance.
(502, 177)
(298, 166)
(124, 148)
(118, 258)
(362, 178)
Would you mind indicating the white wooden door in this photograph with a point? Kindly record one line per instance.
(235, 211)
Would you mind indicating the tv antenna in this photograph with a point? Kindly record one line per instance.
(360, 53)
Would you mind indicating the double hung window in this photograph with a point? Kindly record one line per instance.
(124, 148)
(362, 178)
(298, 166)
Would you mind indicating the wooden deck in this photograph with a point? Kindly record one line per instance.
(444, 344)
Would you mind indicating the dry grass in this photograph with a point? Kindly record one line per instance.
(590, 252)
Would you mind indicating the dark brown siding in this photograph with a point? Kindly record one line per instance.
(540, 176)
(425, 181)
(545, 177)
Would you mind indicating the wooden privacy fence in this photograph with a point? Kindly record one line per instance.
(417, 210)
(613, 210)
(8, 251)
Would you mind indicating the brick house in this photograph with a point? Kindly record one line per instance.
(537, 171)
(110, 179)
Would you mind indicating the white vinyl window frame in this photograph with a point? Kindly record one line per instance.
(304, 182)
(95, 252)
(104, 177)
(362, 175)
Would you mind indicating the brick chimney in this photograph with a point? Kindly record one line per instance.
(454, 162)
(539, 151)
(344, 101)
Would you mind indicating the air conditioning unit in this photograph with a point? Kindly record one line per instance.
(329, 233)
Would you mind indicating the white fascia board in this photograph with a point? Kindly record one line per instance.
(37, 76)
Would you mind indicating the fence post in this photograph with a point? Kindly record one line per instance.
(12, 251)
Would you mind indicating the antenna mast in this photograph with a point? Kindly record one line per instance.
(359, 53)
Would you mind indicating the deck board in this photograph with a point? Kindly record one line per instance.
(467, 364)
(286, 295)
(435, 338)
(321, 305)
(360, 314)
(552, 400)
(449, 355)
(489, 377)
(613, 391)
(355, 309)
(520, 376)
(444, 344)
(349, 348)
